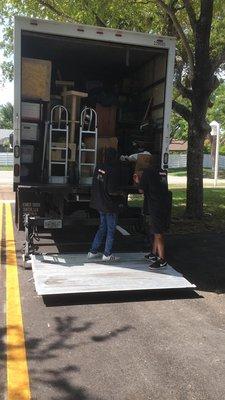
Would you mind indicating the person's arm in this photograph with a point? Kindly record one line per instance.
(144, 182)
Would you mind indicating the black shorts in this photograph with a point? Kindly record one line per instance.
(157, 220)
(157, 224)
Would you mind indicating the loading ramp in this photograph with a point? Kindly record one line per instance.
(73, 274)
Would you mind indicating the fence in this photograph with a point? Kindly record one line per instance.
(6, 158)
(180, 161)
(208, 161)
(175, 160)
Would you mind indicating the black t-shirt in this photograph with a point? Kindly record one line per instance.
(154, 186)
(105, 195)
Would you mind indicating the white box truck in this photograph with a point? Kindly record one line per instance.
(126, 76)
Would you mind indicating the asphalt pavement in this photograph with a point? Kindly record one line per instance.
(133, 346)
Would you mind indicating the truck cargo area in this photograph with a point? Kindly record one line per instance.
(73, 274)
(79, 91)
(124, 83)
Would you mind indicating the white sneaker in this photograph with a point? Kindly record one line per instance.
(93, 256)
(110, 258)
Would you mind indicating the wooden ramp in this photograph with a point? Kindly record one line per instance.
(73, 273)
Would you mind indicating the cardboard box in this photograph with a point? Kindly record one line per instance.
(29, 131)
(103, 143)
(27, 154)
(36, 79)
(86, 175)
(31, 111)
(59, 155)
(144, 161)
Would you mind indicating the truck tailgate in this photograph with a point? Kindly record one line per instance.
(73, 273)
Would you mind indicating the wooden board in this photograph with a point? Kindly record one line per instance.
(36, 79)
(73, 273)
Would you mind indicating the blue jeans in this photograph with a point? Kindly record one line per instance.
(106, 229)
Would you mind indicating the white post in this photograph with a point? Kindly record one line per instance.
(215, 131)
(216, 159)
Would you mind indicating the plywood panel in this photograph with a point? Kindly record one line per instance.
(36, 79)
(73, 273)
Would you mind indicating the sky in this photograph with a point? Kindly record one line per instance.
(6, 90)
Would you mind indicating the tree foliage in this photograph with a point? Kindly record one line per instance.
(217, 111)
(6, 116)
(198, 25)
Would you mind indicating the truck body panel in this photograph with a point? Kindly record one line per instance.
(94, 53)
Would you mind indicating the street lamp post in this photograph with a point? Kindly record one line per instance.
(215, 131)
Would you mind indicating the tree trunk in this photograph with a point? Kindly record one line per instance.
(194, 205)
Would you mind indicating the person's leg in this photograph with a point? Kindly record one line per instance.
(100, 234)
(159, 245)
(111, 220)
(151, 256)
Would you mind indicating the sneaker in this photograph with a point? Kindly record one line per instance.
(158, 265)
(111, 258)
(151, 257)
(93, 256)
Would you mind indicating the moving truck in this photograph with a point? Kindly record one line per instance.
(119, 82)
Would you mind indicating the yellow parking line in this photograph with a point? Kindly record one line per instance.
(18, 387)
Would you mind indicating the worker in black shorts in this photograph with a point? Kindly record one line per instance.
(156, 205)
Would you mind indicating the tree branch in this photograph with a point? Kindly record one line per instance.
(180, 32)
(182, 110)
(55, 10)
(186, 93)
(191, 14)
(183, 90)
(217, 62)
(203, 30)
(99, 20)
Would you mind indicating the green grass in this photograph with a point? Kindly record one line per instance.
(178, 171)
(6, 167)
(214, 209)
(207, 173)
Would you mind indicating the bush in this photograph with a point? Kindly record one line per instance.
(222, 150)
(207, 147)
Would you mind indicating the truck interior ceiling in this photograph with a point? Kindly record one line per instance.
(124, 84)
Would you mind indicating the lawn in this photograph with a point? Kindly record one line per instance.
(214, 209)
(6, 167)
(207, 172)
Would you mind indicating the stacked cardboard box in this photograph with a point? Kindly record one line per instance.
(59, 155)
(103, 144)
(145, 161)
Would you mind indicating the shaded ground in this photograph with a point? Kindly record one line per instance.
(134, 346)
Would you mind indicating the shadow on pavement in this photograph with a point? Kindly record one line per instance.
(118, 297)
(44, 353)
(200, 258)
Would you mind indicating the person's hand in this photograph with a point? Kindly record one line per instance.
(136, 178)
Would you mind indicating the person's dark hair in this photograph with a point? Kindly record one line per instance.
(110, 155)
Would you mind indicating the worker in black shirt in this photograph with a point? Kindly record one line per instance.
(156, 205)
(106, 199)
